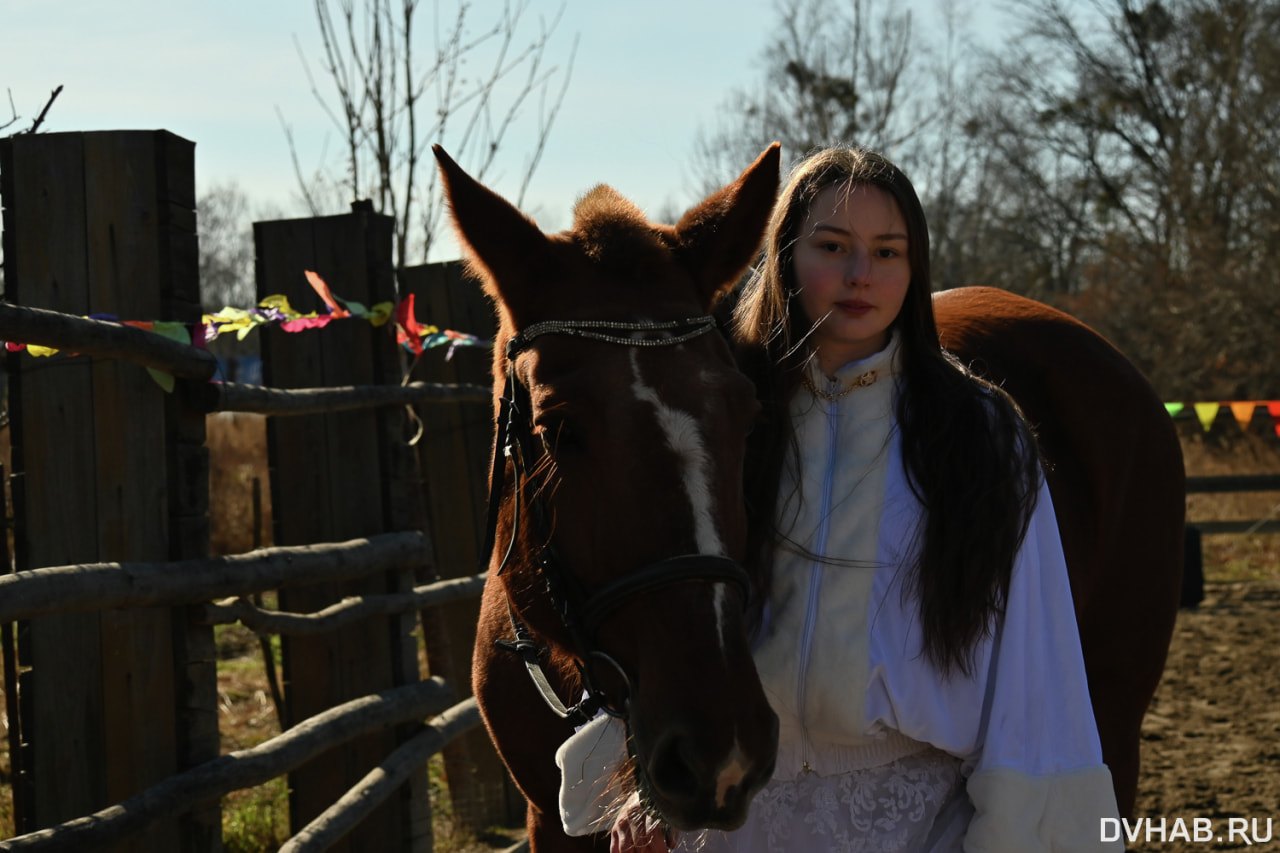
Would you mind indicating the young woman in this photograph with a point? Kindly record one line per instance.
(915, 631)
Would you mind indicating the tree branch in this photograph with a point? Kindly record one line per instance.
(40, 118)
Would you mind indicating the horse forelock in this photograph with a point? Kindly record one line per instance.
(611, 230)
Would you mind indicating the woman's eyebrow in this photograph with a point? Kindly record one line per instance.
(836, 229)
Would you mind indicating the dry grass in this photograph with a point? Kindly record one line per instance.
(237, 459)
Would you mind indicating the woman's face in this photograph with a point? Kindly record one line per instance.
(850, 263)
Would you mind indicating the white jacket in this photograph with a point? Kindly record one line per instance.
(842, 658)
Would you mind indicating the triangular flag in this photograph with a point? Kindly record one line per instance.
(1273, 407)
(1174, 408)
(1206, 412)
(1243, 412)
(317, 284)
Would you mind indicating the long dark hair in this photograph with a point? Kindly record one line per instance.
(969, 456)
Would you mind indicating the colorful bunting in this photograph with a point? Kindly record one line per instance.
(1241, 410)
(276, 310)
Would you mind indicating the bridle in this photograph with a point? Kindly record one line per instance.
(583, 614)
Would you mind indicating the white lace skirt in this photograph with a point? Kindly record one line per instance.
(916, 804)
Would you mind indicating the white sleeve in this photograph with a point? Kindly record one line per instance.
(1039, 783)
(590, 763)
(1023, 723)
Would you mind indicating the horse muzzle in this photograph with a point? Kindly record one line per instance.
(700, 779)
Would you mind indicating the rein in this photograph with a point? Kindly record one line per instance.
(583, 614)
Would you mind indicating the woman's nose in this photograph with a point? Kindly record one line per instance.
(858, 269)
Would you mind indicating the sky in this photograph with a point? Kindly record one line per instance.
(223, 73)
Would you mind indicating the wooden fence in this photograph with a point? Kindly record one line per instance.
(115, 727)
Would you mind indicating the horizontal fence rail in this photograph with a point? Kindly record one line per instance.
(102, 338)
(374, 788)
(1246, 526)
(341, 613)
(101, 586)
(233, 397)
(251, 767)
(1236, 483)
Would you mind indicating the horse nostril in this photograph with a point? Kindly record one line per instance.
(673, 769)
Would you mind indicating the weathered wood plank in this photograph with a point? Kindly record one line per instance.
(123, 265)
(454, 457)
(54, 456)
(328, 481)
(87, 210)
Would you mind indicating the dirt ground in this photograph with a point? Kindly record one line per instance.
(1211, 740)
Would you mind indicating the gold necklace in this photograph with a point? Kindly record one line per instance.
(862, 381)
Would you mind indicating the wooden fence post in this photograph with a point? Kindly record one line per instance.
(107, 467)
(454, 456)
(337, 476)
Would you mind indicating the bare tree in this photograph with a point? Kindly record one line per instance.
(225, 232)
(389, 103)
(835, 72)
(13, 113)
(1139, 144)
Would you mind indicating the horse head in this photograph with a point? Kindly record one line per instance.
(616, 504)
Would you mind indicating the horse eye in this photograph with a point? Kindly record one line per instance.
(560, 437)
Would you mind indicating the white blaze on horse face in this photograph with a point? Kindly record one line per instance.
(686, 440)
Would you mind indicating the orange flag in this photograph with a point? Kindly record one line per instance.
(317, 283)
(1243, 412)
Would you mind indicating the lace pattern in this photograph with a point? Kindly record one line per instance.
(887, 809)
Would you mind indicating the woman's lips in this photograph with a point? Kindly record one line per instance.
(853, 307)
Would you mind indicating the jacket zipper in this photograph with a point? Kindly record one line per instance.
(815, 574)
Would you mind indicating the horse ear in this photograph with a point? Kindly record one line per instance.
(719, 238)
(501, 244)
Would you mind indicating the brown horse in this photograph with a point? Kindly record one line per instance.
(616, 498)
(1115, 472)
